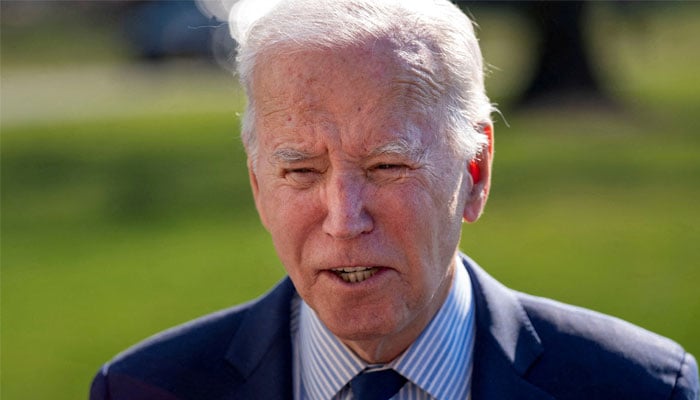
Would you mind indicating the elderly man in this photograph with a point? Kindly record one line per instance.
(369, 142)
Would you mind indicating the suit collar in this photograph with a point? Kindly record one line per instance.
(500, 314)
(261, 349)
(506, 342)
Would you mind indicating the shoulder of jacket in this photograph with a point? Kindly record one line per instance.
(589, 352)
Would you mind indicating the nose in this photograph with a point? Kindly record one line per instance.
(346, 212)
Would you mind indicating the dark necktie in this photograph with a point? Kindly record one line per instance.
(376, 385)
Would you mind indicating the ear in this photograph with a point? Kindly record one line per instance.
(479, 170)
(256, 192)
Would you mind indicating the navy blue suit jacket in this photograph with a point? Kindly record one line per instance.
(526, 348)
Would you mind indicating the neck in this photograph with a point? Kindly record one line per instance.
(384, 349)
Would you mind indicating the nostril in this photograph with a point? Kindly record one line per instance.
(345, 223)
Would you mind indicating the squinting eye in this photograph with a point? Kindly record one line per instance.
(387, 166)
(302, 176)
(300, 171)
(388, 172)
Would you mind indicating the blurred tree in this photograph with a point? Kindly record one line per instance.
(157, 30)
(564, 69)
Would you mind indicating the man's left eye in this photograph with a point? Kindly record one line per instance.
(388, 171)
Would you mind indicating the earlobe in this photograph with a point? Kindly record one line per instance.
(480, 171)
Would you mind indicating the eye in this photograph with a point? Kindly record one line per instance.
(300, 171)
(388, 166)
(302, 176)
(388, 171)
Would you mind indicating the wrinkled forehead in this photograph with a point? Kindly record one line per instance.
(405, 69)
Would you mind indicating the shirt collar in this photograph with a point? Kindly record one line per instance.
(439, 361)
(327, 365)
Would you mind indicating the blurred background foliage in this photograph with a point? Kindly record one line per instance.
(126, 208)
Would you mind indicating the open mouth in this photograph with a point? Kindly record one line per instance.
(355, 274)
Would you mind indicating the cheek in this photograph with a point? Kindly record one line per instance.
(418, 207)
(290, 219)
(410, 218)
(428, 226)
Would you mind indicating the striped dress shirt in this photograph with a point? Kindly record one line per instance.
(437, 365)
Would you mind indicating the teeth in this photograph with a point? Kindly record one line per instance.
(352, 269)
(355, 274)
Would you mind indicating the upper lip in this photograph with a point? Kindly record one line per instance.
(352, 269)
(353, 265)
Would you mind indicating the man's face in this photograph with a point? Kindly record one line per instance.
(358, 188)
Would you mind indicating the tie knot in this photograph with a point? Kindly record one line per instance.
(376, 385)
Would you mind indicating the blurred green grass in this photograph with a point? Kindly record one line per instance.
(128, 212)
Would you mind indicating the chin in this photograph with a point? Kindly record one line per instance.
(361, 334)
(361, 326)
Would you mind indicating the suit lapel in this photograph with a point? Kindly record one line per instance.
(261, 350)
(506, 342)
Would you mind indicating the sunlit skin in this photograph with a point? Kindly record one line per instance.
(353, 170)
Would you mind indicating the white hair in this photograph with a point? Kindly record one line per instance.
(289, 26)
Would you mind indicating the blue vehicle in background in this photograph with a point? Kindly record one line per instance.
(157, 30)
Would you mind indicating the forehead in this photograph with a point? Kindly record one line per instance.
(382, 83)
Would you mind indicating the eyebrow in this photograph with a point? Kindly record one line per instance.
(398, 147)
(287, 155)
